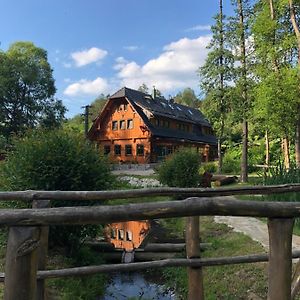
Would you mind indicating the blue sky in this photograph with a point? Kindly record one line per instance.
(99, 46)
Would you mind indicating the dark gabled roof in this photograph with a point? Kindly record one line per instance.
(162, 107)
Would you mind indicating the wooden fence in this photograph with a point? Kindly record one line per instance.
(28, 234)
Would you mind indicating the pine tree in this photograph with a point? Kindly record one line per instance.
(239, 32)
(215, 77)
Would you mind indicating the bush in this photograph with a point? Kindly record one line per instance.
(280, 175)
(232, 161)
(181, 169)
(56, 160)
(210, 167)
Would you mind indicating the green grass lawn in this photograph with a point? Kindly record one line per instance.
(223, 282)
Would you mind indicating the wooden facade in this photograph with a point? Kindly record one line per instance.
(135, 128)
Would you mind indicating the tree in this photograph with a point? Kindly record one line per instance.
(240, 33)
(215, 78)
(144, 88)
(187, 97)
(97, 105)
(294, 15)
(277, 93)
(76, 123)
(56, 160)
(27, 90)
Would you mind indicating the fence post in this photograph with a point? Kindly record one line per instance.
(280, 258)
(192, 240)
(21, 263)
(42, 250)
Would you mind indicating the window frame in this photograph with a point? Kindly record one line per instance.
(117, 146)
(105, 147)
(128, 146)
(138, 147)
(128, 122)
(121, 122)
(114, 125)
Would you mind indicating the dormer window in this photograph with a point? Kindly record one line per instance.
(129, 124)
(122, 125)
(114, 125)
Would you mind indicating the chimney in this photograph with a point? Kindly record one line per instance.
(154, 92)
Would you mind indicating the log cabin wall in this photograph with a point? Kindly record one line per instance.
(135, 128)
(122, 135)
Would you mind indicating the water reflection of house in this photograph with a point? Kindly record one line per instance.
(137, 127)
(127, 235)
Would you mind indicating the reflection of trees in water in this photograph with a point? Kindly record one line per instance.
(134, 286)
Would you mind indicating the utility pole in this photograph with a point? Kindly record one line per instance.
(86, 118)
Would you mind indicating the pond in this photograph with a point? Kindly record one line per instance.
(134, 285)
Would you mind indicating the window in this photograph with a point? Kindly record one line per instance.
(121, 234)
(169, 150)
(128, 235)
(113, 233)
(140, 150)
(122, 124)
(166, 123)
(128, 150)
(117, 149)
(125, 106)
(129, 124)
(106, 149)
(114, 125)
(157, 122)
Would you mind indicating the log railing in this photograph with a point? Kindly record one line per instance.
(28, 232)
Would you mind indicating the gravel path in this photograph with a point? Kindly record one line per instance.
(254, 228)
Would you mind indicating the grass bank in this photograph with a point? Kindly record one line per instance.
(223, 282)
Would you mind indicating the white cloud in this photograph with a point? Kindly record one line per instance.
(131, 48)
(86, 87)
(174, 68)
(88, 56)
(199, 28)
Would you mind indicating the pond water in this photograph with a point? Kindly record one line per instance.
(135, 286)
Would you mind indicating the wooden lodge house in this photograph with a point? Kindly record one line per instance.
(135, 127)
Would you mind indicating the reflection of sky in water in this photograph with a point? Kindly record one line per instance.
(126, 285)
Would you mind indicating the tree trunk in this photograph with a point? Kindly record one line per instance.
(244, 160)
(286, 152)
(220, 159)
(267, 161)
(297, 141)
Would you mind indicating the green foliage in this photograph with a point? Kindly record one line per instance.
(280, 175)
(56, 160)
(181, 169)
(210, 167)
(77, 122)
(222, 282)
(232, 161)
(187, 97)
(83, 288)
(27, 90)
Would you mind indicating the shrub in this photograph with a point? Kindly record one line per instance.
(56, 160)
(181, 169)
(210, 167)
(280, 175)
(232, 161)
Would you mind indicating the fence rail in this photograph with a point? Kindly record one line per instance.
(28, 233)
